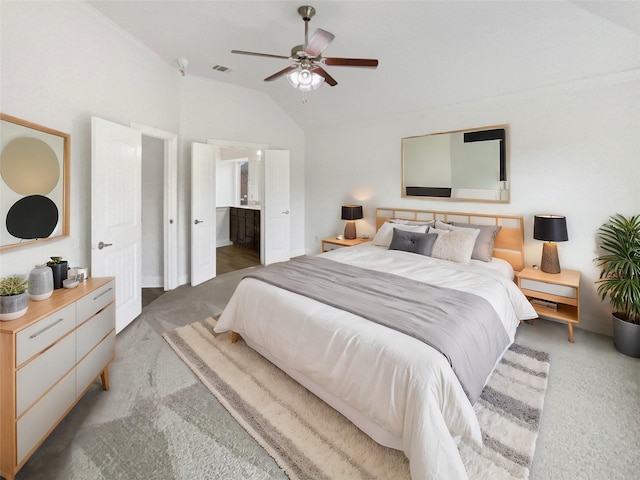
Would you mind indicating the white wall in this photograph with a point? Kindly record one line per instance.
(223, 234)
(63, 63)
(574, 151)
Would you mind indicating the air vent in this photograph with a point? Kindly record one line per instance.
(221, 68)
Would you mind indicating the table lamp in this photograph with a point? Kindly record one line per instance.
(351, 213)
(550, 229)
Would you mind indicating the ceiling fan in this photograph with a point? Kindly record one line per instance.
(307, 73)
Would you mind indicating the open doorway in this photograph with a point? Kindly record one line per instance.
(271, 226)
(152, 224)
(239, 173)
(159, 212)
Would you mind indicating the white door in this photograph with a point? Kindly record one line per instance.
(275, 247)
(203, 212)
(116, 232)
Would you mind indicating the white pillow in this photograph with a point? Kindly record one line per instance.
(456, 245)
(385, 233)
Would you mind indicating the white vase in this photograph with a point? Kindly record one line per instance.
(40, 282)
(13, 306)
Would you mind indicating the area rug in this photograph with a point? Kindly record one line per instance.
(312, 441)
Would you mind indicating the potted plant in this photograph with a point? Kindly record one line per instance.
(14, 300)
(59, 268)
(619, 279)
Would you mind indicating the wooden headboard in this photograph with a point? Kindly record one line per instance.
(509, 243)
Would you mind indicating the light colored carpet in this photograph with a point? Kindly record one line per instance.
(311, 441)
(589, 430)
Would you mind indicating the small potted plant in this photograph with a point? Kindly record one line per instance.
(14, 300)
(59, 268)
(619, 279)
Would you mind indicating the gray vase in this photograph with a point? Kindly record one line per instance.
(13, 306)
(626, 337)
(40, 283)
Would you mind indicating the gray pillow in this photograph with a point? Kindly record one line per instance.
(483, 248)
(414, 242)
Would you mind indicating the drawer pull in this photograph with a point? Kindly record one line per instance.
(106, 291)
(45, 328)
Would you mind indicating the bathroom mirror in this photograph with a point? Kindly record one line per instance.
(34, 182)
(469, 165)
(239, 177)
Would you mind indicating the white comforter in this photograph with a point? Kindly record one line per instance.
(400, 384)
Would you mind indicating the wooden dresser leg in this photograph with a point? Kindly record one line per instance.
(570, 325)
(104, 376)
(235, 336)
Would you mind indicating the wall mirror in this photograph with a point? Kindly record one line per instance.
(239, 177)
(470, 165)
(34, 182)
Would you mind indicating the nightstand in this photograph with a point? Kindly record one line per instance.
(332, 243)
(553, 295)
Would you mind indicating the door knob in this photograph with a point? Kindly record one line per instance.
(286, 212)
(196, 221)
(101, 245)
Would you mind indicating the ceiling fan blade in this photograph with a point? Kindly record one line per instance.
(351, 62)
(255, 54)
(282, 72)
(323, 73)
(318, 42)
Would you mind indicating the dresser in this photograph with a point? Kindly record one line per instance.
(48, 359)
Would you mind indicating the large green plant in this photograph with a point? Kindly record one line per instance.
(619, 237)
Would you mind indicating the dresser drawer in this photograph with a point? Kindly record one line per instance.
(89, 368)
(95, 301)
(94, 330)
(37, 376)
(40, 335)
(551, 288)
(44, 414)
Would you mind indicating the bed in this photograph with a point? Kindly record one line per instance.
(399, 390)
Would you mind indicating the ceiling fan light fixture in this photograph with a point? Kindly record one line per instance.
(305, 77)
(306, 73)
(305, 80)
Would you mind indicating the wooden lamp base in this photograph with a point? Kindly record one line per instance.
(350, 230)
(550, 262)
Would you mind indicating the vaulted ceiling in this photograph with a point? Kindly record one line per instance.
(431, 53)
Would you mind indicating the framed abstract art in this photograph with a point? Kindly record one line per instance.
(34, 182)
